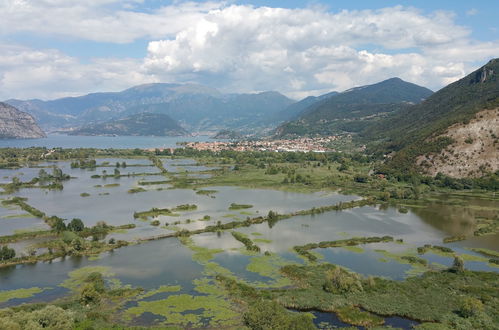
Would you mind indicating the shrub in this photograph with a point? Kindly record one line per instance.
(340, 281)
(470, 306)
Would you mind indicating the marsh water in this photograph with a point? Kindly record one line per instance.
(168, 262)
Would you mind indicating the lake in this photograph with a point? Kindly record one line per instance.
(103, 142)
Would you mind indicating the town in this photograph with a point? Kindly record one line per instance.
(316, 144)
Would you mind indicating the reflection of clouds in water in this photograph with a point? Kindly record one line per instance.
(213, 241)
(150, 271)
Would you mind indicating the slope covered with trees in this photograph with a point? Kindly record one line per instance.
(420, 129)
(355, 109)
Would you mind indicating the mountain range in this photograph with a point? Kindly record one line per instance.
(195, 107)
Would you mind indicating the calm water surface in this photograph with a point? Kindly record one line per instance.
(168, 262)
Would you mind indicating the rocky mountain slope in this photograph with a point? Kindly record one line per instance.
(146, 124)
(196, 107)
(454, 131)
(354, 109)
(17, 124)
(474, 149)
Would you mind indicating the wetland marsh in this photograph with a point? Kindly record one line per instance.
(203, 241)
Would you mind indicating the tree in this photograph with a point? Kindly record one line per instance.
(58, 224)
(457, 265)
(76, 225)
(7, 253)
(117, 172)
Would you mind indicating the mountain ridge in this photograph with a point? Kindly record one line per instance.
(197, 107)
(17, 124)
(348, 110)
(142, 124)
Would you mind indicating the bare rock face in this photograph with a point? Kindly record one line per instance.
(474, 152)
(17, 124)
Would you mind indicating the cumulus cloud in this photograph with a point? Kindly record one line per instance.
(113, 21)
(48, 73)
(299, 51)
(239, 47)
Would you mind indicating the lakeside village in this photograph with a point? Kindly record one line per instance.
(316, 144)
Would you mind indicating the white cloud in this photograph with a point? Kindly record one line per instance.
(237, 47)
(247, 48)
(47, 74)
(111, 21)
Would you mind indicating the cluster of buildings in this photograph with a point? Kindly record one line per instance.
(317, 144)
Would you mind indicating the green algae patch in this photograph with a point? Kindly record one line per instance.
(191, 311)
(6, 295)
(409, 257)
(485, 252)
(16, 216)
(269, 266)
(355, 316)
(77, 277)
(201, 255)
(355, 249)
(161, 289)
(256, 234)
(211, 308)
(470, 257)
(262, 240)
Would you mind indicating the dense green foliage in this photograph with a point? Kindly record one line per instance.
(350, 111)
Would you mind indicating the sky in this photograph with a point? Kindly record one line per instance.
(58, 48)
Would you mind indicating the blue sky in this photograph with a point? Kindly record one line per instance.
(55, 48)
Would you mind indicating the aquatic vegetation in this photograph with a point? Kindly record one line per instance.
(161, 289)
(454, 238)
(269, 266)
(234, 206)
(77, 277)
(185, 207)
(303, 250)
(6, 295)
(111, 185)
(248, 243)
(434, 296)
(206, 192)
(486, 252)
(136, 190)
(186, 310)
(355, 316)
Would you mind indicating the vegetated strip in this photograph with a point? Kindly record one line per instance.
(248, 243)
(303, 250)
(158, 163)
(271, 218)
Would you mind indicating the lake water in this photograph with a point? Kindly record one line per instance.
(103, 142)
(168, 262)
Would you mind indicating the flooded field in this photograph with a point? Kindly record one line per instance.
(177, 273)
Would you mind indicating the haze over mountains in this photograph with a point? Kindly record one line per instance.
(195, 107)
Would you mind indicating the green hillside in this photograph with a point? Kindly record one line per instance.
(355, 109)
(410, 131)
